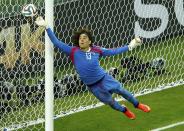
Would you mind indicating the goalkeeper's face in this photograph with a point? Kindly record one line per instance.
(84, 41)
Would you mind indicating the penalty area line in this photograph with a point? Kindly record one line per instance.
(168, 126)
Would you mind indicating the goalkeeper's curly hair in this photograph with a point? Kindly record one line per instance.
(76, 35)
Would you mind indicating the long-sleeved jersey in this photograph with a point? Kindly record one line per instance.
(86, 63)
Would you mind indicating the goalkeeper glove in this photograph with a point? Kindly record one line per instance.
(134, 43)
(41, 22)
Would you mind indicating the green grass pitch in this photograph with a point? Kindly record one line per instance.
(167, 108)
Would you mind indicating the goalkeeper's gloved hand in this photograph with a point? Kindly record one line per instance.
(41, 22)
(134, 43)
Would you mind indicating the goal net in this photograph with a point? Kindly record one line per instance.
(156, 65)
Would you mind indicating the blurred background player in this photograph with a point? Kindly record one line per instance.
(85, 58)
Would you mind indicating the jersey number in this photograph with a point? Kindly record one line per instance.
(88, 55)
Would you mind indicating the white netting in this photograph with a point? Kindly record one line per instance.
(155, 65)
(21, 67)
(158, 63)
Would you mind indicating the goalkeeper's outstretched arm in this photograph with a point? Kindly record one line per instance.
(133, 44)
(57, 43)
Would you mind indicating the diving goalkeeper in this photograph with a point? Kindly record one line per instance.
(85, 58)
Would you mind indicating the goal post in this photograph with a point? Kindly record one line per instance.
(38, 83)
(49, 67)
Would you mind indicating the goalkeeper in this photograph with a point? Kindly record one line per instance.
(85, 58)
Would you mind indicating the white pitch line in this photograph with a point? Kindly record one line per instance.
(169, 126)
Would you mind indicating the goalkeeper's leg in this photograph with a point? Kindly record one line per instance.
(128, 96)
(106, 97)
(114, 86)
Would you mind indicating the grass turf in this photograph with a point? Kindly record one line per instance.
(167, 107)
